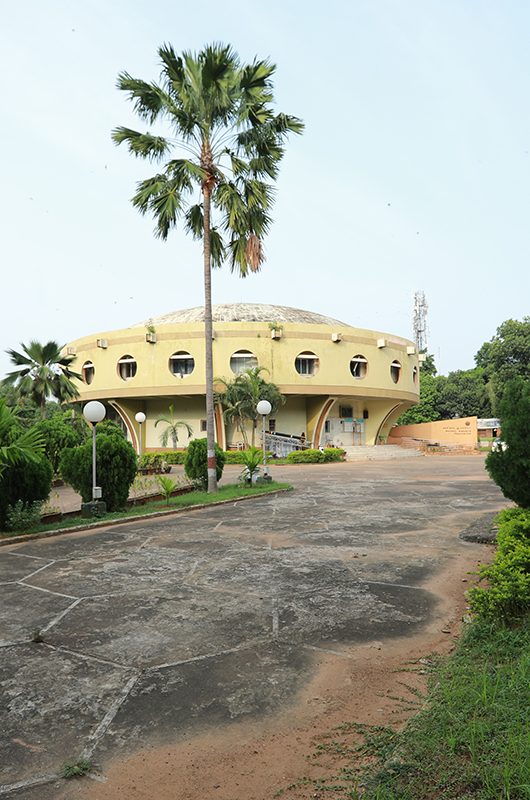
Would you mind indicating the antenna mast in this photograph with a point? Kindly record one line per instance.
(419, 321)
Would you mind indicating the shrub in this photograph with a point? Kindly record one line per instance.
(240, 456)
(109, 428)
(59, 434)
(196, 463)
(306, 457)
(171, 456)
(152, 461)
(252, 460)
(26, 482)
(510, 467)
(508, 592)
(334, 454)
(116, 469)
(23, 516)
(167, 486)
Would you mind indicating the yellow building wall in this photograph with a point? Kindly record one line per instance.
(461, 431)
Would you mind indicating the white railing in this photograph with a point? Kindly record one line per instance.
(281, 445)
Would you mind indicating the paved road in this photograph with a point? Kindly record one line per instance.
(157, 630)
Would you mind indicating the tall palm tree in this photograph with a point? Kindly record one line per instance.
(172, 428)
(43, 372)
(225, 144)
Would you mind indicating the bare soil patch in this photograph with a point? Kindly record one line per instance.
(255, 761)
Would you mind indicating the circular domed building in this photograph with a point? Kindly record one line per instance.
(344, 386)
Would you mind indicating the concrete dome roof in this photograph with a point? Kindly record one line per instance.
(245, 312)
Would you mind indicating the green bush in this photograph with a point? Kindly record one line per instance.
(109, 428)
(60, 433)
(26, 482)
(23, 516)
(240, 456)
(510, 467)
(153, 461)
(115, 464)
(306, 457)
(508, 591)
(252, 461)
(334, 454)
(196, 463)
(170, 456)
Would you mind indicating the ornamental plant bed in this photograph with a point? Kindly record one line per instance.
(131, 502)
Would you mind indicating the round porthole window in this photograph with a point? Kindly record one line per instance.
(242, 360)
(358, 366)
(395, 371)
(181, 364)
(307, 363)
(127, 367)
(88, 371)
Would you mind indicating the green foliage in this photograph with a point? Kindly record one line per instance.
(239, 456)
(167, 486)
(508, 577)
(172, 428)
(153, 461)
(196, 462)
(116, 469)
(109, 428)
(463, 393)
(224, 142)
(23, 516)
(506, 356)
(306, 457)
(17, 446)
(59, 433)
(334, 454)
(172, 456)
(241, 395)
(252, 459)
(510, 467)
(42, 372)
(28, 482)
(76, 769)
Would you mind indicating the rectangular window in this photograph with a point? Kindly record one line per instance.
(327, 426)
(272, 425)
(203, 425)
(345, 412)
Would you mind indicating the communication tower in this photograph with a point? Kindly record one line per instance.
(419, 321)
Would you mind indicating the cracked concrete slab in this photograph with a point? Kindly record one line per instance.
(160, 629)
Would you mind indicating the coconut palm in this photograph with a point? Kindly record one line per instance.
(223, 151)
(16, 445)
(43, 371)
(172, 428)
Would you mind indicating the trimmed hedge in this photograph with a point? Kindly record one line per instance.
(316, 456)
(29, 482)
(169, 456)
(508, 592)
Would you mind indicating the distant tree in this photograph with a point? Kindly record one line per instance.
(221, 157)
(173, 426)
(463, 393)
(506, 356)
(43, 372)
(427, 408)
(509, 463)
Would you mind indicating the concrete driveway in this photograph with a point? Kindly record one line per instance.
(149, 632)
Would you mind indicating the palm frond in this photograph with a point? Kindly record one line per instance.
(142, 145)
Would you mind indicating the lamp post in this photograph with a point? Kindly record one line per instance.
(140, 419)
(94, 412)
(264, 408)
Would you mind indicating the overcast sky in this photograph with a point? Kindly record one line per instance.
(413, 172)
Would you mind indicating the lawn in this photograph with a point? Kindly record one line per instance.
(225, 494)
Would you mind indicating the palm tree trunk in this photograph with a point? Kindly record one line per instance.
(208, 331)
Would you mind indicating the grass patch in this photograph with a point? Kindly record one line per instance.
(228, 492)
(471, 742)
(76, 769)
